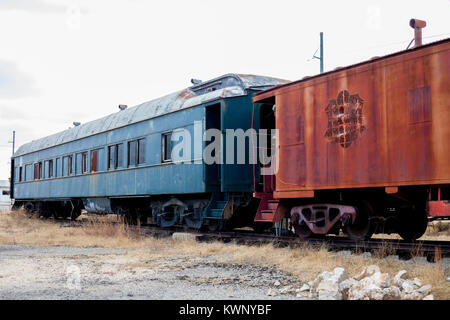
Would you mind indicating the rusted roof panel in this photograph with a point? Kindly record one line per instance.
(229, 85)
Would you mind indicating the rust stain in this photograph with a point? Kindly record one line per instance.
(345, 118)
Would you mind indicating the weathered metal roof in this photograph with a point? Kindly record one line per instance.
(229, 85)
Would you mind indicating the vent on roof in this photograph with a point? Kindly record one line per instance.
(76, 124)
(122, 107)
(196, 81)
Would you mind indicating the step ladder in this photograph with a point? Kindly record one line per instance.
(267, 208)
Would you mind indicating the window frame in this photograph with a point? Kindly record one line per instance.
(141, 149)
(94, 168)
(69, 165)
(84, 162)
(50, 169)
(38, 171)
(112, 162)
(164, 138)
(134, 163)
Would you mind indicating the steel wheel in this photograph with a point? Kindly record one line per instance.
(413, 224)
(303, 231)
(215, 225)
(361, 229)
(193, 223)
(29, 209)
(169, 217)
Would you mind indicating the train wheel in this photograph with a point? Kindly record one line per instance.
(303, 231)
(193, 223)
(361, 229)
(169, 217)
(29, 209)
(214, 225)
(413, 224)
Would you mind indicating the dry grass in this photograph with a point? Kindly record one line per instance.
(305, 262)
(17, 228)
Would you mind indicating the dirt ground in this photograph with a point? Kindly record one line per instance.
(45, 259)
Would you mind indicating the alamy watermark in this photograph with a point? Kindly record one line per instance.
(232, 146)
(73, 274)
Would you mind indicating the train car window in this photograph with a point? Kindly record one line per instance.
(20, 174)
(94, 161)
(119, 155)
(112, 157)
(50, 168)
(78, 163)
(37, 170)
(141, 151)
(57, 166)
(69, 165)
(84, 157)
(65, 166)
(166, 147)
(45, 170)
(28, 172)
(132, 153)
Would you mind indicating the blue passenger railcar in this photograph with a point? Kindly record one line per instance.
(124, 163)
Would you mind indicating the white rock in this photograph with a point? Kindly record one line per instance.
(304, 288)
(381, 279)
(365, 282)
(330, 295)
(391, 293)
(356, 293)
(425, 290)
(429, 297)
(374, 292)
(345, 285)
(181, 236)
(398, 278)
(302, 295)
(417, 282)
(339, 275)
(285, 289)
(408, 286)
(272, 292)
(368, 271)
(323, 276)
(366, 255)
(327, 285)
(277, 283)
(411, 296)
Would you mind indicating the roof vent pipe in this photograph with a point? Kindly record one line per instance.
(76, 124)
(122, 107)
(196, 81)
(417, 25)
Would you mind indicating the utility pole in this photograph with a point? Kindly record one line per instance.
(321, 52)
(13, 142)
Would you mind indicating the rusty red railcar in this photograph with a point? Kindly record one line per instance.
(364, 148)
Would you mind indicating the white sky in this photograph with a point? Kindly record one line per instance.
(77, 60)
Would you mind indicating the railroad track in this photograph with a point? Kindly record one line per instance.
(432, 250)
